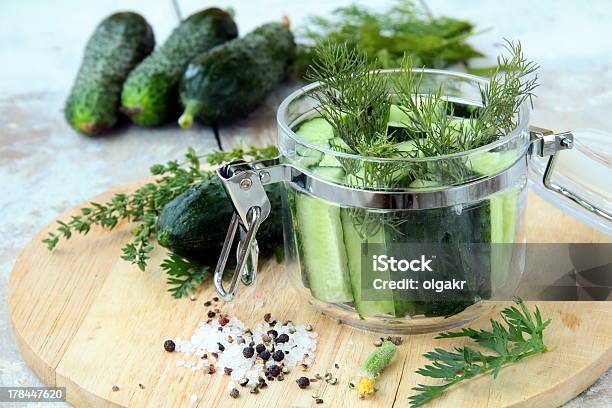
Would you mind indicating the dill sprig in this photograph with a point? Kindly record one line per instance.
(518, 335)
(183, 275)
(353, 98)
(144, 205)
(512, 83)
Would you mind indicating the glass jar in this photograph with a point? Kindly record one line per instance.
(462, 217)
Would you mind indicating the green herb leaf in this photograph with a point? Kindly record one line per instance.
(385, 36)
(184, 275)
(518, 335)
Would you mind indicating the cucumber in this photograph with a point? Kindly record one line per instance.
(149, 95)
(503, 213)
(353, 241)
(324, 253)
(119, 42)
(191, 225)
(232, 79)
(317, 131)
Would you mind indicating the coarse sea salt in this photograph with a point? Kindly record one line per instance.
(299, 349)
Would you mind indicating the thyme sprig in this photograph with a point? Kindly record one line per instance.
(518, 335)
(144, 205)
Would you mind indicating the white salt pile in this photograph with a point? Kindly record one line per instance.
(225, 345)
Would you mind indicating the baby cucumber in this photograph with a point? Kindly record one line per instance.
(150, 92)
(232, 79)
(120, 42)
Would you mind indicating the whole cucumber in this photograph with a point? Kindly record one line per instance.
(194, 224)
(150, 93)
(234, 78)
(119, 42)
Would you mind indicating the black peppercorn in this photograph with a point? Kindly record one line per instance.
(221, 347)
(260, 348)
(303, 382)
(274, 370)
(273, 333)
(207, 303)
(169, 346)
(278, 355)
(211, 314)
(248, 352)
(283, 338)
(216, 299)
(265, 355)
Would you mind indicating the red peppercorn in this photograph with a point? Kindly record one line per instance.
(223, 320)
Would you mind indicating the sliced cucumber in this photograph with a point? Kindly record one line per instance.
(504, 213)
(329, 161)
(397, 117)
(317, 131)
(322, 245)
(353, 241)
(489, 163)
(338, 144)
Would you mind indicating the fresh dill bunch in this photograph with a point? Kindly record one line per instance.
(144, 205)
(386, 35)
(518, 335)
(512, 83)
(353, 98)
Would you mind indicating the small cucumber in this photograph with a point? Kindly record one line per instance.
(149, 95)
(232, 79)
(120, 42)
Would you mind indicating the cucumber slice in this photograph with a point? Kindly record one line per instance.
(329, 161)
(397, 117)
(317, 131)
(353, 241)
(335, 174)
(322, 244)
(503, 213)
(489, 163)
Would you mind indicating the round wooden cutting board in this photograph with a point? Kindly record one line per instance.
(86, 320)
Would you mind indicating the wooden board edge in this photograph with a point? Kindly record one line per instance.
(571, 387)
(81, 397)
(44, 371)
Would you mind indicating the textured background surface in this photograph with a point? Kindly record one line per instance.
(45, 167)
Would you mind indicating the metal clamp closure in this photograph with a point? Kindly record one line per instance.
(244, 183)
(545, 143)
